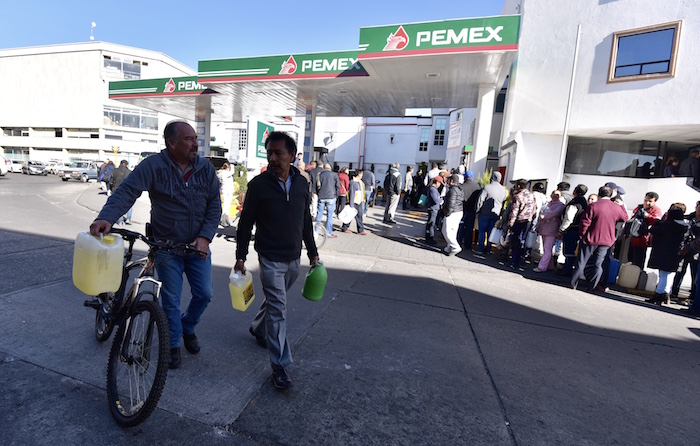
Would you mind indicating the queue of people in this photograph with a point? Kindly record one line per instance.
(186, 197)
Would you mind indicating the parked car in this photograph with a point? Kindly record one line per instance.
(34, 168)
(79, 167)
(85, 174)
(55, 166)
(4, 166)
(15, 166)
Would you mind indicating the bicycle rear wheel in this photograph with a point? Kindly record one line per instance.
(104, 320)
(320, 234)
(138, 364)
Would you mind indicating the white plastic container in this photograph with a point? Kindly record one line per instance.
(628, 276)
(241, 289)
(98, 263)
(652, 281)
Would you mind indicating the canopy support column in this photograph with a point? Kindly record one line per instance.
(482, 131)
(309, 131)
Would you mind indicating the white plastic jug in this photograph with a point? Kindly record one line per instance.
(629, 275)
(241, 289)
(652, 281)
(97, 263)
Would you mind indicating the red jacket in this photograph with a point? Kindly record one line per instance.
(654, 214)
(597, 226)
(344, 183)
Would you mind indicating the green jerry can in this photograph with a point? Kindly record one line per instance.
(315, 282)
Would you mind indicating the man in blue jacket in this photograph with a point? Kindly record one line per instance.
(185, 208)
(277, 203)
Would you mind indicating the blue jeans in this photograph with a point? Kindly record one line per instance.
(271, 321)
(329, 204)
(430, 224)
(517, 241)
(198, 270)
(465, 235)
(486, 224)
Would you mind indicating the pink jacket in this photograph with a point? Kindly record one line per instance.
(550, 218)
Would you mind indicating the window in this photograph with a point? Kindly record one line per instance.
(116, 68)
(243, 140)
(644, 53)
(624, 158)
(440, 124)
(424, 139)
(15, 131)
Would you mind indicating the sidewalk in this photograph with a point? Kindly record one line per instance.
(408, 346)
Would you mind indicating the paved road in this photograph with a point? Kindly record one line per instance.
(407, 347)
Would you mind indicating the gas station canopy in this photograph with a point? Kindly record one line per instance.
(418, 65)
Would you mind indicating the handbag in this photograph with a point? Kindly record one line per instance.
(530, 239)
(347, 214)
(495, 236)
(422, 200)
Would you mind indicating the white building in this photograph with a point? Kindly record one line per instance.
(55, 102)
(623, 125)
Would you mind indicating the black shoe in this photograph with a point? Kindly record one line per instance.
(191, 343)
(175, 358)
(259, 339)
(281, 380)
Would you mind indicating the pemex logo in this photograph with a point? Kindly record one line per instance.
(396, 41)
(169, 86)
(289, 67)
(265, 135)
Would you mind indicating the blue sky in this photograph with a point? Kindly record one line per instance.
(217, 29)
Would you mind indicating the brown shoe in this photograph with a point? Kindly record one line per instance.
(363, 233)
(347, 231)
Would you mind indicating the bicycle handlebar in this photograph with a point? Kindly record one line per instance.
(157, 245)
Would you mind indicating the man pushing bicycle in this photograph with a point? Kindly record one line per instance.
(185, 208)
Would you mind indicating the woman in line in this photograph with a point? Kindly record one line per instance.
(667, 236)
(547, 227)
(225, 175)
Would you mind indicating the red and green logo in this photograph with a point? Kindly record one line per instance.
(169, 86)
(397, 40)
(289, 67)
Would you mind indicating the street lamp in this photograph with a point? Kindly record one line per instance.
(92, 26)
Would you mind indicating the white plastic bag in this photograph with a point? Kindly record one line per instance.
(347, 214)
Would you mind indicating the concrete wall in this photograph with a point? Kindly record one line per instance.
(537, 100)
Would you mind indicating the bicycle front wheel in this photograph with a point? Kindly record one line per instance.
(138, 364)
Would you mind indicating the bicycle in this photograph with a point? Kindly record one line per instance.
(138, 359)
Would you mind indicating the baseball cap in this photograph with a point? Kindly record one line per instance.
(612, 185)
(470, 174)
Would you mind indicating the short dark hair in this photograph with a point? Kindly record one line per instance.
(653, 195)
(563, 186)
(289, 142)
(171, 131)
(538, 187)
(581, 190)
(605, 191)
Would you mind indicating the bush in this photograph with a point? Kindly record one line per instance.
(240, 177)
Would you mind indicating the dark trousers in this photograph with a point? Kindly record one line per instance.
(340, 204)
(637, 255)
(465, 235)
(517, 241)
(570, 240)
(486, 224)
(687, 261)
(585, 253)
(358, 219)
(430, 225)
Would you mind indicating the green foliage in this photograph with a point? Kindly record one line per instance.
(484, 178)
(240, 177)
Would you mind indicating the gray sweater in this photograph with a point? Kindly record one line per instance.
(180, 210)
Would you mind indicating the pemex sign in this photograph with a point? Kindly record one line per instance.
(169, 86)
(446, 36)
(282, 67)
